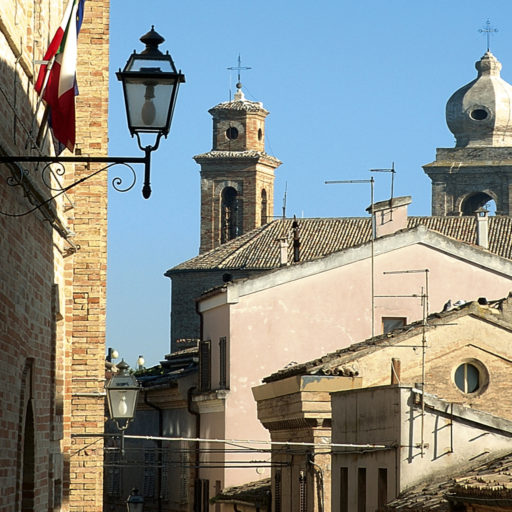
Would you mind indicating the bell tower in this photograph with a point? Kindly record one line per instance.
(237, 176)
(479, 168)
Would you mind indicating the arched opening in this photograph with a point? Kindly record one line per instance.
(229, 215)
(27, 500)
(478, 200)
(263, 207)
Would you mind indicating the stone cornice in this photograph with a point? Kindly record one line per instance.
(244, 106)
(237, 155)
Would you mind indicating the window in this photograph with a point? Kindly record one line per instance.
(204, 365)
(479, 114)
(263, 207)
(467, 378)
(343, 489)
(149, 473)
(277, 491)
(361, 490)
(223, 381)
(229, 215)
(232, 133)
(201, 495)
(382, 487)
(390, 323)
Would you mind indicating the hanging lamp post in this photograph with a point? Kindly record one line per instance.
(150, 86)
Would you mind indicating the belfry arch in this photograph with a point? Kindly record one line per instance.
(230, 219)
(474, 201)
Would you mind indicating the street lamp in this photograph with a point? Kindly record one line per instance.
(122, 392)
(135, 502)
(150, 85)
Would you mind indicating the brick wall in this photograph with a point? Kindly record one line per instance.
(31, 252)
(86, 271)
(52, 302)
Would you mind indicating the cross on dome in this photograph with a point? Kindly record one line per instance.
(488, 30)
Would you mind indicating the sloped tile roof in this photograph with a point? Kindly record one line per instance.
(341, 362)
(253, 493)
(490, 481)
(319, 237)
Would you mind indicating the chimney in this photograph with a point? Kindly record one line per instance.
(283, 246)
(296, 241)
(390, 216)
(482, 228)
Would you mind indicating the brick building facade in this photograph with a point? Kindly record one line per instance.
(53, 273)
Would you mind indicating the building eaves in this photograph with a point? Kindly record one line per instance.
(249, 155)
(240, 105)
(255, 494)
(319, 237)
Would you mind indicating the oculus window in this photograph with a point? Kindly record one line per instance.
(470, 377)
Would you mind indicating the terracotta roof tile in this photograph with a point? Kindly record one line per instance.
(490, 480)
(252, 493)
(259, 249)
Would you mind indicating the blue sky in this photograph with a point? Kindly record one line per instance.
(350, 86)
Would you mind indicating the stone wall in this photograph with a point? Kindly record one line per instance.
(186, 288)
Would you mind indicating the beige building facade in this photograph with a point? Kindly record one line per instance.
(460, 358)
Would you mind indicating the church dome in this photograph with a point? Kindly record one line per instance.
(480, 113)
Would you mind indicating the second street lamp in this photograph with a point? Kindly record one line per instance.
(122, 393)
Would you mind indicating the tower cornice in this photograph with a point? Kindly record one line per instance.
(252, 156)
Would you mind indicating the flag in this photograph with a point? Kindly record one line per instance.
(57, 83)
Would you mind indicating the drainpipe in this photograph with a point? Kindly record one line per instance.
(198, 431)
(159, 446)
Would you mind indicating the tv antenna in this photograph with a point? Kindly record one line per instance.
(371, 181)
(424, 324)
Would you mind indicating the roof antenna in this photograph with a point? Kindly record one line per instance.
(237, 68)
(284, 207)
(283, 239)
(393, 172)
(488, 30)
(284, 200)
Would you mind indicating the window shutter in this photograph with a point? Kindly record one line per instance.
(205, 365)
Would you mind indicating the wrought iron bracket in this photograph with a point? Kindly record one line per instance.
(18, 178)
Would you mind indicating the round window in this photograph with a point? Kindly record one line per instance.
(479, 114)
(468, 378)
(232, 133)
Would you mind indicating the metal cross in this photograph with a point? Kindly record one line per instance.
(487, 31)
(239, 67)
